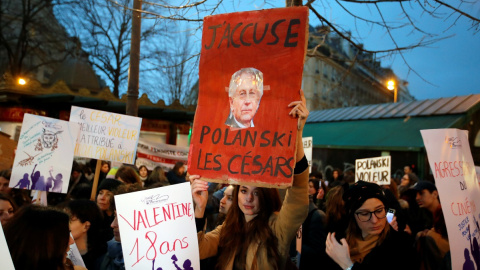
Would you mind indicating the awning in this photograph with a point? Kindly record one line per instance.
(401, 134)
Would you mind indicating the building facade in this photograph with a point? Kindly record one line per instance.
(337, 74)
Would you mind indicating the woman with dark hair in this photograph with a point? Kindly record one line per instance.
(337, 177)
(143, 173)
(370, 241)
(85, 225)
(257, 231)
(127, 175)
(104, 199)
(38, 237)
(7, 208)
(177, 174)
(407, 181)
(157, 177)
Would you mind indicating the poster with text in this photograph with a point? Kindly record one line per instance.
(376, 170)
(156, 154)
(251, 68)
(157, 228)
(106, 135)
(452, 166)
(308, 148)
(44, 155)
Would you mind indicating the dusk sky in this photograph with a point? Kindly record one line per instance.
(449, 67)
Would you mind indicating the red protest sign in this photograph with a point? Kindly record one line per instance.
(250, 69)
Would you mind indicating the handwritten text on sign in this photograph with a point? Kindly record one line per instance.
(44, 155)
(157, 228)
(375, 170)
(106, 135)
(452, 166)
(241, 137)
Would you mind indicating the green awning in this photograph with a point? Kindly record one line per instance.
(401, 134)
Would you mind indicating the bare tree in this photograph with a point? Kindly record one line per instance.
(104, 28)
(30, 36)
(174, 70)
(408, 18)
(193, 12)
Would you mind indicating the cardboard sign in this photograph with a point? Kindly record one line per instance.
(250, 70)
(106, 135)
(376, 170)
(157, 228)
(308, 149)
(164, 155)
(452, 166)
(5, 258)
(44, 155)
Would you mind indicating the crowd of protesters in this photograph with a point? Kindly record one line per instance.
(318, 224)
(39, 237)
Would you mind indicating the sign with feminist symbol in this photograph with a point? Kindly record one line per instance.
(452, 166)
(250, 70)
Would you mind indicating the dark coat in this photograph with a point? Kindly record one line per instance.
(173, 178)
(395, 253)
(314, 236)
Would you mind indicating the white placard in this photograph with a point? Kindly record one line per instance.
(44, 155)
(5, 258)
(308, 149)
(106, 135)
(157, 228)
(452, 166)
(156, 154)
(375, 170)
(74, 254)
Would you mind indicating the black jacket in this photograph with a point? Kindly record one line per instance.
(395, 253)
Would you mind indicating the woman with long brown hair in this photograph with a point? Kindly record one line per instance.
(257, 231)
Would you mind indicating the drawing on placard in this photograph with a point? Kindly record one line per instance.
(49, 138)
(28, 161)
(57, 182)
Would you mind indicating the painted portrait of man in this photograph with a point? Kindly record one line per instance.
(244, 94)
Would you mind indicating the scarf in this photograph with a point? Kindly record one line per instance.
(362, 248)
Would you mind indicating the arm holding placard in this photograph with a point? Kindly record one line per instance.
(208, 243)
(295, 205)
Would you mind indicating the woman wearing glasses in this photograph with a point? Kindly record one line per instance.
(370, 242)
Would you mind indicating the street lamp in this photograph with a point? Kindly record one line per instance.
(391, 86)
(22, 81)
